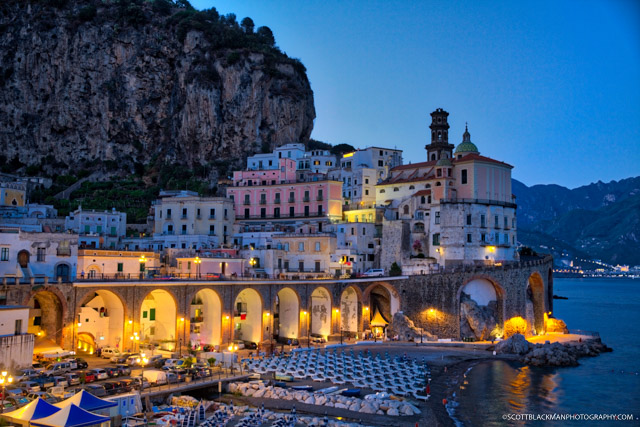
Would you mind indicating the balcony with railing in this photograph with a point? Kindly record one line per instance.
(478, 202)
(283, 216)
(292, 200)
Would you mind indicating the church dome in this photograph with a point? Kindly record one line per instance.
(466, 146)
(444, 162)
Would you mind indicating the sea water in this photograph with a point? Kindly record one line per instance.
(606, 384)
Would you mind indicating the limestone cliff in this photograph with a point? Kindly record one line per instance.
(117, 84)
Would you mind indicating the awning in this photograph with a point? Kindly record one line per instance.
(86, 401)
(71, 416)
(46, 346)
(378, 320)
(36, 409)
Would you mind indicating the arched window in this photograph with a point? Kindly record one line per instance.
(438, 184)
(411, 187)
(382, 191)
(427, 186)
(405, 210)
(396, 189)
(433, 157)
(422, 199)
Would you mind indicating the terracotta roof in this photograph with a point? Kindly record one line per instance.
(422, 193)
(414, 165)
(478, 157)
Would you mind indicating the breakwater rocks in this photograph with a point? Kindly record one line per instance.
(374, 406)
(548, 354)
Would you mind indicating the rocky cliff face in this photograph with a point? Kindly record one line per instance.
(79, 89)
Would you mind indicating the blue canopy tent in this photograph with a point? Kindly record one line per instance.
(87, 401)
(72, 416)
(37, 409)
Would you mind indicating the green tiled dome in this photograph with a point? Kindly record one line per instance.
(467, 147)
(444, 162)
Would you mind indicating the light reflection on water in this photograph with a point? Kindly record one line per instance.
(607, 384)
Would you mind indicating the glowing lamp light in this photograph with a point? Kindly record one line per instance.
(366, 309)
(226, 317)
(267, 314)
(235, 347)
(431, 310)
(79, 324)
(230, 348)
(130, 321)
(337, 311)
(182, 319)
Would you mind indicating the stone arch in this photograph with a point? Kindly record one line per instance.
(102, 314)
(86, 342)
(93, 271)
(206, 318)
(383, 300)
(158, 318)
(321, 305)
(350, 310)
(481, 308)
(287, 317)
(247, 316)
(47, 310)
(534, 304)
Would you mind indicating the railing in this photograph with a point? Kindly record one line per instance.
(319, 198)
(263, 202)
(292, 200)
(479, 202)
(305, 199)
(212, 217)
(276, 201)
(247, 202)
(273, 216)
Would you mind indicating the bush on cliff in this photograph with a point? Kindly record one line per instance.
(395, 270)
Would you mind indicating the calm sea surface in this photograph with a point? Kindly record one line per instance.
(607, 384)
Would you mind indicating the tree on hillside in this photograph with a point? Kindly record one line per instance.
(340, 149)
(247, 25)
(266, 36)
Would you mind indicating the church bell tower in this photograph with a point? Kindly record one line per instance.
(439, 147)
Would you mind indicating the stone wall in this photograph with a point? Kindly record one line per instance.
(431, 301)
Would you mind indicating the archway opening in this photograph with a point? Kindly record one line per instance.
(535, 304)
(23, 258)
(206, 320)
(481, 310)
(380, 311)
(86, 343)
(102, 315)
(63, 271)
(157, 321)
(349, 311)
(321, 312)
(45, 316)
(286, 315)
(247, 316)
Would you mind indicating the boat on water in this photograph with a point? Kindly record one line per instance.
(302, 387)
(288, 378)
(351, 392)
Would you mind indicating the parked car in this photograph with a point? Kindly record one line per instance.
(111, 371)
(39, 367)
(12, 403)
(81, 363)
(72, 378)
(29, 387)
(25, 374)
(373, 272)
(181, 374)
(111, 387)
(43, 395)
(45, 381)
(60, 381)
(123, 370)
(126, 384)
(109, 352)
(96, 389)
(16, 393)
(100, 374)
(88, 376)
(154, 358)
(239, 344)
(171, 362)
(122, 358)
(57, 368)
(140, 383)
(132, 360)
(159, 363)
(249, 345)
(123, 386)
(172, 378)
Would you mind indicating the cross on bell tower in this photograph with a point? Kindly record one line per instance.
(439, 147)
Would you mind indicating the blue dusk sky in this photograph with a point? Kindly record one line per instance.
(551, 87)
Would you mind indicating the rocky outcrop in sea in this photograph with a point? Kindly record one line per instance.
(551, 354)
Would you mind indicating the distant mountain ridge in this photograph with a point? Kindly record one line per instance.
(599, 220)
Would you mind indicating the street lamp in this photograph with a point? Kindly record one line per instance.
(142, 360)
(4, 380)
(197, 262)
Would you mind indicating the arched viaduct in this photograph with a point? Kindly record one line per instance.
(216, 312)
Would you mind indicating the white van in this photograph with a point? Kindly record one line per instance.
(109, 352)
(155, 376)
(373, 272)
(58, 368)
